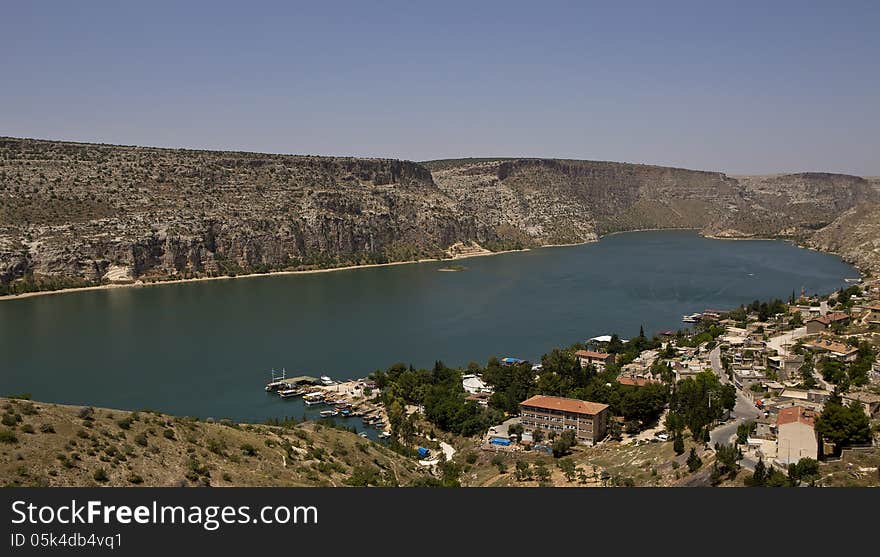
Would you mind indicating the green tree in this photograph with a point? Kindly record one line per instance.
(759, 477)
(678, 443)
(843, 425)
(523, 471)
(541, 472)
(743, 431)
(568, 469)
(694, 462)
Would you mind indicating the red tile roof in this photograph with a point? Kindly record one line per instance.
(572, 405)
(795, 414)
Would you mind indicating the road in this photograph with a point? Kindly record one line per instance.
(743, 410)
(448, 452)
(786, 339)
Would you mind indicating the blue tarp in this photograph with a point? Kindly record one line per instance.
(500, 441)
(423, 452)
(512, 361)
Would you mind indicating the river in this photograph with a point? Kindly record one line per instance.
(206, 348)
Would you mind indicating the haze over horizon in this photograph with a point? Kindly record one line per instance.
(743, 89)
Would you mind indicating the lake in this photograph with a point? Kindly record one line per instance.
(206, 348)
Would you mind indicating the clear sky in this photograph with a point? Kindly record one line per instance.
(740, 87)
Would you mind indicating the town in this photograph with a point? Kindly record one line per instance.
(768, 394)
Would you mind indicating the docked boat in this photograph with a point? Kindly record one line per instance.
(314, 398)
(329, 413)
(327, 381)
(289, 393)
(362, 434)
(384, 435)
(692, 318)
(278, 382)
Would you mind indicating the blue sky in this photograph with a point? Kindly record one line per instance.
(741, 87)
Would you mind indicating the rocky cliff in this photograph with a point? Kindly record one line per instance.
(75, 214)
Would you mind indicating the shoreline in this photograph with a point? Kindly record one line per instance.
(863, 274)
(140, 284)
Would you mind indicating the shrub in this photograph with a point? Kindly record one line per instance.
(248, 450)
(100, 475)
(8, 436)
(124, 423)
(47, 428)
(141, 439)
(168, 434)
(9, 420)
(135, 479)
(27, 428)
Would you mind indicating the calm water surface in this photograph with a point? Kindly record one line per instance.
(205, 348)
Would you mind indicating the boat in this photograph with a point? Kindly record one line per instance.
(289, 393)
(384, 435)
(362, 434)
(277, 382)
(327, 381)
(329, 413)
(692, 318)
(345, 413)
(316, 397)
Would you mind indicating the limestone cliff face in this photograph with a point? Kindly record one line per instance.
(73, 214)
(855, 236)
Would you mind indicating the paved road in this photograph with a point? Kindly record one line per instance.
(789, 338)
(743, 410)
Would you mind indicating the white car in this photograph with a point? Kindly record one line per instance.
(663, 436)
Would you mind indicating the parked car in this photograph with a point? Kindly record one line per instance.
(662, 436)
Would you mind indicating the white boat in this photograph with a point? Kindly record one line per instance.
(384, 435)
(289, 393)
(362, 434)
(329, 413)
(314, 398)
(692, 318)
(327, 381)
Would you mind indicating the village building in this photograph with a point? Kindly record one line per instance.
(556, 414)
(796, 435)
(785, 367)
(598, 359)
(474, 384)
(635, 381)
(869, 402)
(834, 349)
(873, 317)
(822, 323)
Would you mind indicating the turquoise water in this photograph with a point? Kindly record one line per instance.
(205, 348)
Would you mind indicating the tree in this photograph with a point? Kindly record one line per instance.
(808, 380)
(694, 462)
(614, 429)
(727, 458)
(523, 471)
(678, 443)
(843, 425)
(805, 470)
(759, 477)
(744, 430)
(563, 443)
(541, 472)
(568, 468)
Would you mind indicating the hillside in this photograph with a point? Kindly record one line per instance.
(74, 214)
(45, 444)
